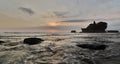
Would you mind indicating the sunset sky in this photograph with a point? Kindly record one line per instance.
(57, 15)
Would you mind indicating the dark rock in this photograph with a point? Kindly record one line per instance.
(95, 27)
(32, 41)
(93, 46)
(73, 31)
(112, 31)
(1, 42)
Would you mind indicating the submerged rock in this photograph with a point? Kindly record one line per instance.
(93, 46)
(32, 41)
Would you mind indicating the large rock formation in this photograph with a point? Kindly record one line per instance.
(95, 27)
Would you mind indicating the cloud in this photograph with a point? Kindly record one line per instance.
(27, 10)
(103, 1)
(65, 14)
(86, 20)
(59, 14)
(59, 28)
(81, 20)
(75, 20)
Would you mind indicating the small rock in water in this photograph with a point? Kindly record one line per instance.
(1, 42)
(32, 41)
(93, 46)
(73, 31)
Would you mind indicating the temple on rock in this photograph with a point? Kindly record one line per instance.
(94, 27)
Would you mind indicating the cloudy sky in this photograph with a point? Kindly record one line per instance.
(57, 15)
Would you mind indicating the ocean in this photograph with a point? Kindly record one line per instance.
(59, 48)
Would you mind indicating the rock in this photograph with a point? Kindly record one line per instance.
(93, 46)
(73, 31)
(112, 31)
(95, 27)
(1, 42)
(32, 41)
(101, 26)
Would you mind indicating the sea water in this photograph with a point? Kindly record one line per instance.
(59, 48)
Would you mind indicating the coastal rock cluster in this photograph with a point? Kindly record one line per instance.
(95, 27)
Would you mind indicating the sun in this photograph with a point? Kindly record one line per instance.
(53, 23)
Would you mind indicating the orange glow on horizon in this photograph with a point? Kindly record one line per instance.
(53, 22)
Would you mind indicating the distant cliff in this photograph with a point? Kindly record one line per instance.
(95, 27)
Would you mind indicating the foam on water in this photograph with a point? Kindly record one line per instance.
(59, 49)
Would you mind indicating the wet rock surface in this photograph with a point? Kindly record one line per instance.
(1, 42)
(93, 46)
(32, 41)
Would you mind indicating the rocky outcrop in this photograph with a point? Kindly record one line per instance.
(93, 46)
(32, 41)
(95, 27)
